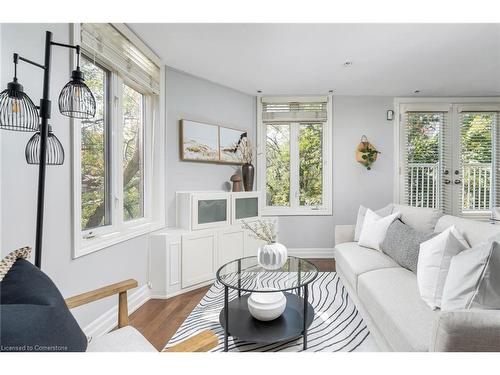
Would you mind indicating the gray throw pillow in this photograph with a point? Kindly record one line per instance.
(402, 244)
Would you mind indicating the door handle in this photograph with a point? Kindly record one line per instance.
(447, 182)
(457, 181)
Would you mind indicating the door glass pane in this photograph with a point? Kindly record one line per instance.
(212, 210)
(133, 153)
(476, 160)
(278, 165)
(94, 150)
(246, 207)
(310, 164)
(423, 145)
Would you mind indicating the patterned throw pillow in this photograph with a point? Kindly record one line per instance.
(10, 259)
(402, 244)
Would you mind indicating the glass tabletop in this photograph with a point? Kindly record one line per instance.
(246, 274)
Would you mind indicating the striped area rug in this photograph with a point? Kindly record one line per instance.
(337, 324)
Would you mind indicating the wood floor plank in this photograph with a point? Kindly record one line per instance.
(159, 319)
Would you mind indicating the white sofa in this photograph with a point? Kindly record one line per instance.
(388, 298)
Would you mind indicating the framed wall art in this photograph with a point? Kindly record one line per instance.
(210, 143)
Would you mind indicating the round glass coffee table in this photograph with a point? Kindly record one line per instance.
(246, 276)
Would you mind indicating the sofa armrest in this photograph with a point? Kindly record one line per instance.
(344, 233)
(467, 331)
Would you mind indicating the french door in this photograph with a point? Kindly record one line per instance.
(450, 157)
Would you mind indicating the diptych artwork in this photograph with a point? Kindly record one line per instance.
(200, 141)
(205, 142)
(228, 145)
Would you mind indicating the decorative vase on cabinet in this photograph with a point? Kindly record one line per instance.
(272, 256)
(248, 172)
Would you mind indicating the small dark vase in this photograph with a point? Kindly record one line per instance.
(248, 171)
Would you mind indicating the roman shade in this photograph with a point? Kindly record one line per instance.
(308, 109)
(105, 43)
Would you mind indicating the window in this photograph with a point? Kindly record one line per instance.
(95, 168)
(133, 154)
(295, 155)
(118, 170)
(448, 154)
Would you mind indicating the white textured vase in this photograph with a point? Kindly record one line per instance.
(266, 306)
(272, 256)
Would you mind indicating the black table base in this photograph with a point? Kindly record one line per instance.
(292, 324)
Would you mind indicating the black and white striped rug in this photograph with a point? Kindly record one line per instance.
(337, 324)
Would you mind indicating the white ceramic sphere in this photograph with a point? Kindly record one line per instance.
(266, 306)
(272, 256)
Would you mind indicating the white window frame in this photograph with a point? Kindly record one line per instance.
(294, 209)
(438, 104)
(119, 230)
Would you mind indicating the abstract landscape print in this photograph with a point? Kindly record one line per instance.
(199, 141)
(228, 145)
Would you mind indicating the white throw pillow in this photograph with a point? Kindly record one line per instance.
(375, 228)
(384, 211)
(419, 218)
(473, 280)
(434, 261)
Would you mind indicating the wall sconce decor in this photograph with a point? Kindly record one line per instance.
(19, 113)
(366, 153)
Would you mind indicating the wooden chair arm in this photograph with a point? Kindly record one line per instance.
(202, 342)
(94, 295)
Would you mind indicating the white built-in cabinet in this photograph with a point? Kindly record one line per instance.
(188, 257)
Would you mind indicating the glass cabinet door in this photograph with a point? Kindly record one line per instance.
(212, 211)
(246, 207)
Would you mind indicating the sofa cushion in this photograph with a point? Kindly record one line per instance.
(402, 244)
(34, 315)
(384, 211)
(473, 280)
(126, 339)
(474, 231)
(394, 304)
(421, 219)
(374, 229)
(354, 260)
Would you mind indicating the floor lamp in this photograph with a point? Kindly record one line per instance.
(18, 113)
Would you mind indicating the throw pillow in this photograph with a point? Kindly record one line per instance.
(384, 211)
(473, 280)
(419, 218)
(434, 261)
(374, 229)
(402, 244)
(10, 259)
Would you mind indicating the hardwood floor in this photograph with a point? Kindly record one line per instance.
(159, 319)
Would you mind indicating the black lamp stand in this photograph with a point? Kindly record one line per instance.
(45, 110)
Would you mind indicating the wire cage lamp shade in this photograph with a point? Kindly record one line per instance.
(17, 111)
(54, 153)
(76, 100)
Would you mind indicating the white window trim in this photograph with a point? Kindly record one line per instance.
(434, 103)
(154, 166)
(326, 209)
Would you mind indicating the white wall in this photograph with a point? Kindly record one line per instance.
(192, 98)
(353, 185)
(19, 184)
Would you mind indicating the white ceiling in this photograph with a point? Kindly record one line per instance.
(388, 59)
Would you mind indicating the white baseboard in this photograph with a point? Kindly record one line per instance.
(312, 252)
(107, 321)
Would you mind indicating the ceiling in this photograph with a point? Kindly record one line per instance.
(387, 59)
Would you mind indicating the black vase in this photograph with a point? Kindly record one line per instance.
(248, 172)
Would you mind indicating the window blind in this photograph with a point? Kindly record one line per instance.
(273, 111)
(108, 45)
(424, 159)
